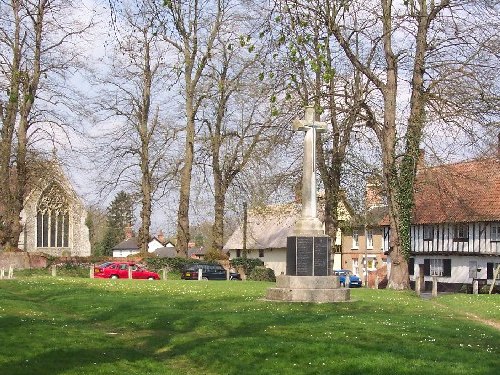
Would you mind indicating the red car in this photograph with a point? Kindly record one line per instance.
(119, 270)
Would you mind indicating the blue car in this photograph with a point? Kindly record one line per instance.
(354, 281)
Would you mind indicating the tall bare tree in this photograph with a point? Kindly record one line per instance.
(238, 121)
(191, 27)
(133, 95)
(34, 49)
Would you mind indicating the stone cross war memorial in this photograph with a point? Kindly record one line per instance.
(308, 250)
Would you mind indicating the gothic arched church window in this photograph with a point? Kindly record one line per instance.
(52, 219)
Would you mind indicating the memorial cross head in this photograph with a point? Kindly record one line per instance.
(309, 122)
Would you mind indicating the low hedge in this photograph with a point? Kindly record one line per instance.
(247, 264)
(261, 273)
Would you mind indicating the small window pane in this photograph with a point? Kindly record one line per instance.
(59, 230)
(461, 232)
(355, 239)
(66, 230)
(369, 239)
(428, 232)
(436, 267)
(53, 216)
(495, 231)
(39, 229)
(45, 230)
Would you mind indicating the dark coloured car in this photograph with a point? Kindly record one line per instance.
(208, 272)
(354, 280)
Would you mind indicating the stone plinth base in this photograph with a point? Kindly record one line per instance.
(317, 289)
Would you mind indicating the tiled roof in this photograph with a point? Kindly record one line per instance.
(166, 252)
(130, 244)
(462, 192)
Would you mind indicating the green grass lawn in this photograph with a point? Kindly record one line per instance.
(91, 326)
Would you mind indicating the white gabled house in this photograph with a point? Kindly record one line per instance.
(130, 245)
(456, 224)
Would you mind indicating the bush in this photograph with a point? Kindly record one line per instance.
(485, 289)
(215, 255)
(261, 273)
(247, 264)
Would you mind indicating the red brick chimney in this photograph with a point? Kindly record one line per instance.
(373, 194)
(129, 233)
(161, 237)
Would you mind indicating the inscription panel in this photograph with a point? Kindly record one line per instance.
(305, 256)
(291, 252)
(321, 252)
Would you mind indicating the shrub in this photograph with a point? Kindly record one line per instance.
(485, 289)
(174, 264)
(260, 273)
(214, 255)
(247, 264)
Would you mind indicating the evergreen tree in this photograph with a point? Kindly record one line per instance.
(120, 215)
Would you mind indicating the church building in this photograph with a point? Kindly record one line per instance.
(54, 216)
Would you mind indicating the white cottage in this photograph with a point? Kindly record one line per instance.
(267, 231)
(456, 224)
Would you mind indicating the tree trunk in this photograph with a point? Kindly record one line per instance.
(398, 276)
(145, 137)
(218, 226)
(185, 189)
(9, 116)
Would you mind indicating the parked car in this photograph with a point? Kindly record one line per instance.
(119, 270)
(208, 272)
(354, 280)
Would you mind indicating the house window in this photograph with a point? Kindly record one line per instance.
(411, 266)
(495, 232)
(355, 266)
(436, 267)
(491, 269)
(238, 253)
(428, 232)
(369, 238)
(52, 219)
(261, 253)
(355, 239)
(461, 232)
